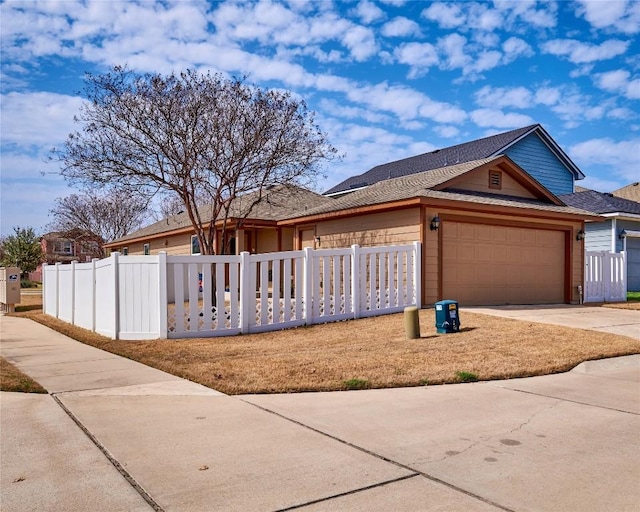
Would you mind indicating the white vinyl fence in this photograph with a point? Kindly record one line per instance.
(148, 297)
(605, 277)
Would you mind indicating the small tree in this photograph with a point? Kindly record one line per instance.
(108, 215)
(22, 250)
(202, 138)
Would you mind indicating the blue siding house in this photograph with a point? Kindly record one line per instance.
(531, 147)
(619, 232)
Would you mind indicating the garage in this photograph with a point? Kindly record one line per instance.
(484, 264)
(633, 262)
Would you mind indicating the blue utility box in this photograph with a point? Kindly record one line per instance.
(447, 316)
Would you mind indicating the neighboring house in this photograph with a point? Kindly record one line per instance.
(68, 246)
(620, 231)
(531, 147)
(490, 233)
(631, 192)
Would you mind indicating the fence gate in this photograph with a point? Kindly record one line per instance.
(605, 277)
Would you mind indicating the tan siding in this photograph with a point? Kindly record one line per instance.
(267, 240)
(479, 182)
(395, 227)
(288, 239)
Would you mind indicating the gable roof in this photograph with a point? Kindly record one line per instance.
(631, 192)
(433, 184)
(277, 203)
(601, 203)
(460, 153)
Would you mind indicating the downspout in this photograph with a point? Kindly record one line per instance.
(614, 237)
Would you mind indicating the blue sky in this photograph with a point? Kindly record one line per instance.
(387, 78)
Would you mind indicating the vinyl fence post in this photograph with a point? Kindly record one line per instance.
(246, 295)
(115, 257)
(58, 289)
(73, 292)
(417, 272)
(162, 295)
(93, 294)
(307, 290)
(355, 280)
(44, 288)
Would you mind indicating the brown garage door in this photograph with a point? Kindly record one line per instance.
(489, 265)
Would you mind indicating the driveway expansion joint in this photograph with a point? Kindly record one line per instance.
(348, 493)
(414, 472)
(127, 476)
(559, 399)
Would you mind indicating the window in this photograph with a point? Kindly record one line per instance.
(125, 251)
(63, 247)
(495, 179)
(195, 245)
(146, 249)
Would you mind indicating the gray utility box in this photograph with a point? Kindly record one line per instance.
(9, 288)
(447, 316)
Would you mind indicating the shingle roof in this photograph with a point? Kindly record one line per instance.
(422, 184)
(277, 203)
(598, 202)
(460, 153)
(631, 192)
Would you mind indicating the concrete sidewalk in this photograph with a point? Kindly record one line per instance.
(562, 442)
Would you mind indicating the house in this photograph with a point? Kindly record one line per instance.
(531, 147)
(68, 246)
(619, 232)
(259, 232)
(491, 232)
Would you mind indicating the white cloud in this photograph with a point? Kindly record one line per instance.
(494, 118)
(619, 81)
(361, 43)
(419, 56)
(540, 15)
(515, 47)
(504, 97)
(452, 46)
(400, 27)
(37, 118)
(547, 95)
(616, 15)
(337, 109)
(369, 12)
(581, 53)
(446, 15)
(621, 157)
(446, 131)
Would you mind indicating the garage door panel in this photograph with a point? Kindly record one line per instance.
(514, 266)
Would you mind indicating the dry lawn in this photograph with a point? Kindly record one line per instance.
(373, 352)
(12, 379)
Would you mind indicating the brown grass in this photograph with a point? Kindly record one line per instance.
(325, 357)
(623, 305)
(12, 379)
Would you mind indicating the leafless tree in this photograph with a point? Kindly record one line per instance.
(109, 215)
(204, 138)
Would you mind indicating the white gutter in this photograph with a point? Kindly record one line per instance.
(622, 216)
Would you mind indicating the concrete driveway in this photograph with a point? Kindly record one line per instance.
(617, 321)
(117, 435)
